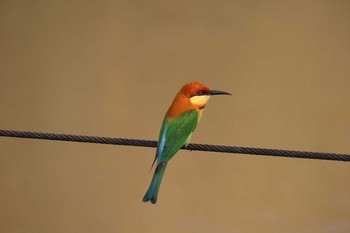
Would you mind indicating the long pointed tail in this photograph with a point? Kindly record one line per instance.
(152, 192)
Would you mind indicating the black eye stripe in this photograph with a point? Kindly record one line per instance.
(201, 92)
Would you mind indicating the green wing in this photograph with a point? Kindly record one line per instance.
(175, 134)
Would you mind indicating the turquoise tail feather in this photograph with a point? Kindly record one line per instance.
(152, 192)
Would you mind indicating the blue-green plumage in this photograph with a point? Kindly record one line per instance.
(174, 134)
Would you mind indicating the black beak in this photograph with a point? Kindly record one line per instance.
(217, 92)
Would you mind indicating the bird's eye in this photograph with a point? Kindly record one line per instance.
(200, 92)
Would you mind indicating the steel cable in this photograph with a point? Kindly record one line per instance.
(198, 147)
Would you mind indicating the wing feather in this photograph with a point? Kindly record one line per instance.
(174, 134)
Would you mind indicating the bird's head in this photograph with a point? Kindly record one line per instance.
(193, 95)
(199, 94)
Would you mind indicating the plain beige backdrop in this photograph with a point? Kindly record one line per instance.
(112, 68)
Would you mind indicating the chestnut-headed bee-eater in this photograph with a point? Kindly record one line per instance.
(179, 122)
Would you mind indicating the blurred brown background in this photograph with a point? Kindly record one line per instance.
(111, 68)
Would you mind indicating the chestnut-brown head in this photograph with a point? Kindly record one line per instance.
(193, 95)
(199, 94)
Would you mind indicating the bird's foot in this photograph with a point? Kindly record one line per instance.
(186, 147)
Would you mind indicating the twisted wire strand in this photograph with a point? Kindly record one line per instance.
(198, 147)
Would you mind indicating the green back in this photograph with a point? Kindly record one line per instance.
(175, 134)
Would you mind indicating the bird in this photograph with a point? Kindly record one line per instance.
(179, 122)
